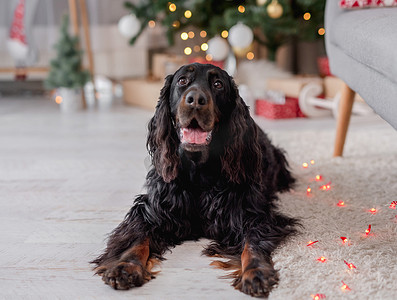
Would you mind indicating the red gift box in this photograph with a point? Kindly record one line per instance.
(323, 66)
(202, 60)
(273, 111)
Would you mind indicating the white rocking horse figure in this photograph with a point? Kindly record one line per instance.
(313, 106)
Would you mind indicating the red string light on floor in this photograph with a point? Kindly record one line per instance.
(341, 203)
(319, 177)
(322, 259)
(344, 239)
(373, 210)
(310, 243)
(345, 287)
(312, 162)
(308, 191)
(368, 230)
(305, 165)
(350, 265)
(326, 187)
(393, 205)
(318, 296)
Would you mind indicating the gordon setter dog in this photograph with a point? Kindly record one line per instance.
(215, 175)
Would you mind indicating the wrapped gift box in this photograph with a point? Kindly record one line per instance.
(333, 85)
(142, 92)
(202, 60)
(291, 87)
(323, 66)
(165, 64)
(271, 110)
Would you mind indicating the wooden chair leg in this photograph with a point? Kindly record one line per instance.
(345, 110)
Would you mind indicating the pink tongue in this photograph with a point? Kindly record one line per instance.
(194, 136)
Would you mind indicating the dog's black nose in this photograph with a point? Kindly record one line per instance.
(196, 99)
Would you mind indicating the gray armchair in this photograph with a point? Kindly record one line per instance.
(362, 48)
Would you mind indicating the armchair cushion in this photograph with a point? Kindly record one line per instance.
(361, 49)
(369, 37)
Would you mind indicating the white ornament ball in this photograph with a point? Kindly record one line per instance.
(218, 48)
(241, 52)
(129, 26)
(240, 36)
(261, 2)
(274, 10)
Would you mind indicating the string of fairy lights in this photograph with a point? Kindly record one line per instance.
(366, 233)
(239, 38)
(191, 35)
(274, 10)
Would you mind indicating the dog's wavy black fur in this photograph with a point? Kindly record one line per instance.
(225, 191)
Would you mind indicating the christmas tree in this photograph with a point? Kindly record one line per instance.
(273, 22)
(66, 67)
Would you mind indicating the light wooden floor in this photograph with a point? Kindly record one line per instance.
(65, 182)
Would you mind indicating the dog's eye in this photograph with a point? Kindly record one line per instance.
(183, 81)
(218, 84)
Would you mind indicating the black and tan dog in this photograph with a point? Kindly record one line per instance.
(215, 175)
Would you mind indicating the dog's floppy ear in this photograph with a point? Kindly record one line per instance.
(162, 141)
(242, 159)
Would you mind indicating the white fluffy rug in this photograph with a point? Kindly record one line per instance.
(365, 178)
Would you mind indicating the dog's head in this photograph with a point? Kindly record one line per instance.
(199, 110)
(200, 94)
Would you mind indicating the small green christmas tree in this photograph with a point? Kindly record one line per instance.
(66, 67)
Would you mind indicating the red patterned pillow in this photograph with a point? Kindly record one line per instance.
(367, 3)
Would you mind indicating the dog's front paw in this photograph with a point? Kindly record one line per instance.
(124, 275)
(257, 282)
